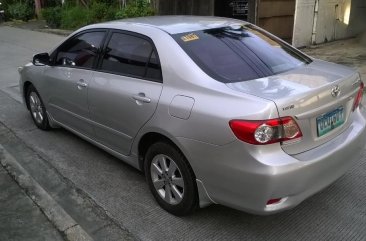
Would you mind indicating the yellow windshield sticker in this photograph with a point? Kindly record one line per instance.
(189, 37)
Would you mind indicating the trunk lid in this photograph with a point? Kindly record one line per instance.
(305, 93)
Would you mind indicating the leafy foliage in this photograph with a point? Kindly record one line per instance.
(137, 8)
(52, 3)
(53, 16)
(70, 15)
(74, 17)
(20, 11)
(101, 12)
(77, 16)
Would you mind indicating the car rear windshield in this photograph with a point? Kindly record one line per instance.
(239, 53)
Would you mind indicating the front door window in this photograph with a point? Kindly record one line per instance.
(80, 51)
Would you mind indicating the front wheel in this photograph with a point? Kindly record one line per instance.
(37, 109)
(171, 179)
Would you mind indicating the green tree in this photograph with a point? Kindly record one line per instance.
(38, 7)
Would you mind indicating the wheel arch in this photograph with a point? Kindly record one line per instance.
(26, 86)
(150, 138)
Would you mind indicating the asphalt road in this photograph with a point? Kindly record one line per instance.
(337, 213)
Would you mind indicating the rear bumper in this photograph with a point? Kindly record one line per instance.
(245, 177)
(319, 167)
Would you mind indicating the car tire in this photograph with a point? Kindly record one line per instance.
(37, 109)
(171, 179)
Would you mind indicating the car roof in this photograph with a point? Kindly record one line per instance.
(176, 24)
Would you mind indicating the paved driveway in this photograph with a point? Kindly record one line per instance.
(337, 213)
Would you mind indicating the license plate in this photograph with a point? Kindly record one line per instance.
(329, 121)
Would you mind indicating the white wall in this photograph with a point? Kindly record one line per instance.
(303, 25)
(336, 19)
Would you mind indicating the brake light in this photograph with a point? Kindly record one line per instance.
(359, 96)
(274, 201)
(264, 132)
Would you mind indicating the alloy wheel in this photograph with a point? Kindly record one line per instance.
(167, 179)
(36, 107)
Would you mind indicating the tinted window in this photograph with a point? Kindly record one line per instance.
(237, 54)
(153, 69)
(132, 56)
(80, 51)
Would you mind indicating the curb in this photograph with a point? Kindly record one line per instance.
(63, 222)
(60, 32)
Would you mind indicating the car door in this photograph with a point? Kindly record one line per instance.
(125, 91)
(68, 80)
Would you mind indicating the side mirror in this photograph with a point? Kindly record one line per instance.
(41, 59)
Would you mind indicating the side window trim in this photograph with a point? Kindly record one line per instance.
(137, 35)
(100, 50)
(148, 62)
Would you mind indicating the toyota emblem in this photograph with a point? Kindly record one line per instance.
(336, 91)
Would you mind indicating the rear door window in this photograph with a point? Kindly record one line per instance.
(238, 54)
(131, 56)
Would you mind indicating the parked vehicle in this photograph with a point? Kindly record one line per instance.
(212, 110)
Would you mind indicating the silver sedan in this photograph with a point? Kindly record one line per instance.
(212, 110)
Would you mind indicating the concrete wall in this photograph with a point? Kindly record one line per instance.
(336, 19)
(357, 22)
(277, 17)
(303, 25)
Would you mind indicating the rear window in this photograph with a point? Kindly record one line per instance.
(234, 54)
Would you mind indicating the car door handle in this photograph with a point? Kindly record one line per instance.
(81, 84)
(142, 98)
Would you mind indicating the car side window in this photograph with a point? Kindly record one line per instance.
(132, 56)
(153, 68)
(80, 51)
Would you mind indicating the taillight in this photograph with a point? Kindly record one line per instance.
(274, 201)
(264, 132)
(359, 96)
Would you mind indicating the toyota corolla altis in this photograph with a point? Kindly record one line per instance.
(212, 110)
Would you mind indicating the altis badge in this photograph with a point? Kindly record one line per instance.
(288, 107)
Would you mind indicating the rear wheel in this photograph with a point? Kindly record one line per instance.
(37, 109)
(171, 179)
